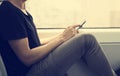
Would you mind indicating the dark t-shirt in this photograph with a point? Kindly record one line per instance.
(14, 24)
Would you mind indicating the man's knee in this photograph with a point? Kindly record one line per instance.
(88, 38)
(89, 41)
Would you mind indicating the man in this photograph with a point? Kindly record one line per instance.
(24, 55)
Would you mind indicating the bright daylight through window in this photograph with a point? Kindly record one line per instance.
(62, 13)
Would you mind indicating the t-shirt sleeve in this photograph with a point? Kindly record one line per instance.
(12, 27)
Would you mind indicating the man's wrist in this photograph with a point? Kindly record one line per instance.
(60, 37)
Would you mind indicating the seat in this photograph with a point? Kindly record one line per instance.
(2, 68)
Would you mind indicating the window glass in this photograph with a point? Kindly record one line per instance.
(62, 13)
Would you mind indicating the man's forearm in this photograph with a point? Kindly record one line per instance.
(41, 51)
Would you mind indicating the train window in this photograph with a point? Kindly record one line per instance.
(61, 13)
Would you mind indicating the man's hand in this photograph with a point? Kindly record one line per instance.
(69, 32)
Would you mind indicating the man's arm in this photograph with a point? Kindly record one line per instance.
(30, 56)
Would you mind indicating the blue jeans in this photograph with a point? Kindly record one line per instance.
(81, 47)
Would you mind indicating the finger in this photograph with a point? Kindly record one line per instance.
(73, 26)
(77, 31)
(76, 26)
(68, 26)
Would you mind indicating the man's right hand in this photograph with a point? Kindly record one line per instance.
(69, 32)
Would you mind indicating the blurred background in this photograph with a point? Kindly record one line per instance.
(103, 21)
(62, 13)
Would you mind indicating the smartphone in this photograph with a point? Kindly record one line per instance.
(81, 25)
